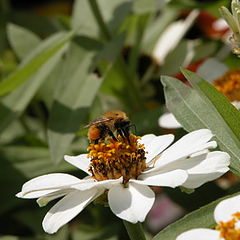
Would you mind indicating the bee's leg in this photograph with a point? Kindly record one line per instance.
(126, 134)
(112, 135)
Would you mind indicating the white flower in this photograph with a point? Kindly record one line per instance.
(185, 163)
(226, 211)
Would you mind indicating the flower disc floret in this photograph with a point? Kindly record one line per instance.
(229, 84)
(112, 159)
(229, 230)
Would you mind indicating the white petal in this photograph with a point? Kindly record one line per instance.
(92, 183)
(146, 139)
(172, 36)
(167, 120)
(67, 208)
(81, 161)
(225, 209)
(131, 203)
(189, 144)
(46, 184)
(207, 167)
(199, 234)
(155, 144)
(167, 179)
(44, 200)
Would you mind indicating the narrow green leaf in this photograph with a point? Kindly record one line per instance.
(25, 72)
(22, 40)
(201, 218)
(12, 105)
(228, 112)
(194, 112)
(74, 96)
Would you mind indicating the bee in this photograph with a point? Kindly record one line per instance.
(110, 123)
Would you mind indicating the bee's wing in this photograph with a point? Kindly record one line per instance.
(99, 120)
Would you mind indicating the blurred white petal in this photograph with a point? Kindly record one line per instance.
(172, 36)
(200, 234)
(168, 121)
(225, 209)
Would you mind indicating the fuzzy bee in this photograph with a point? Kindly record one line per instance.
(110, 123)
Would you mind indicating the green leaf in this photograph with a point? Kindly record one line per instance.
(32, 161)
(145, 6)
(74, 96)
(201, 218)
(22, 40)
(195, 110)
(156, 27)
(23, 74)
(12, 105)
(83, 20)
(228, 112)
(175, 59)
(22, 163)
(113, 12)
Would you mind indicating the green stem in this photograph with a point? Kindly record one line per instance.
(148, 74)
(135, 231)
(133, 89)
(99, 18)
(141, 23)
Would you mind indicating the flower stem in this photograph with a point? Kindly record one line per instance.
(97, 14)
(135, 231)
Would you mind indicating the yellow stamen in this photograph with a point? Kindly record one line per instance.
(229, 84)
(228, 230)
(114, 159)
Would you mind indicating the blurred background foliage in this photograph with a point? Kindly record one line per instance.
(64, 63)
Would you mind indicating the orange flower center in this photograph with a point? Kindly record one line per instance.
(229, 230)
(229, 85)
(112, 159)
